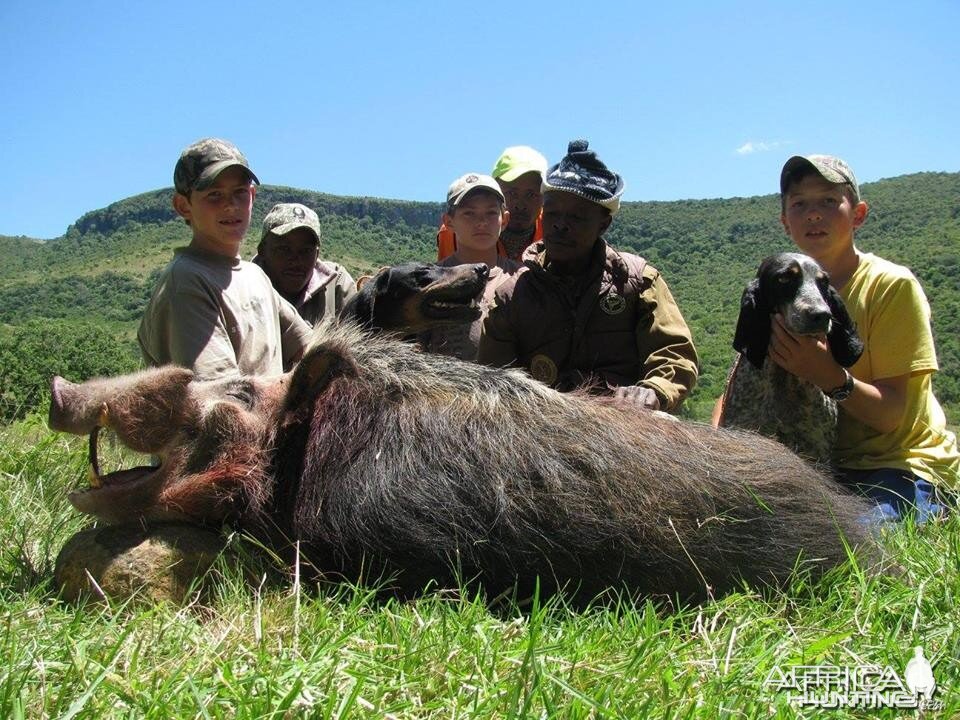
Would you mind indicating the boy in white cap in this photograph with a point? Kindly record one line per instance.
(892, 441)
(211, 311)
(289, 253)
(580, 313)
(519, 172)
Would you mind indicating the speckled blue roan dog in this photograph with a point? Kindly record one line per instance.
(762, 396)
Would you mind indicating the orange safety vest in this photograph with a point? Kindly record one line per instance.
(447, 240)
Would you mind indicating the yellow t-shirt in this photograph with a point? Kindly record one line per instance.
(892, 315)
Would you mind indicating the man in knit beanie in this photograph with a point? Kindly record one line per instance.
(581, 314)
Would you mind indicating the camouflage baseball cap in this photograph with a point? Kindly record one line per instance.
(286, 217)
(466, 184)
(201, 163)
(830, 168)
(519, 160)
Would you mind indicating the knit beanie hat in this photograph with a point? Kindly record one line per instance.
(582, 173)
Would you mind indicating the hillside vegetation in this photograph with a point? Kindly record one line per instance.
(82, 294)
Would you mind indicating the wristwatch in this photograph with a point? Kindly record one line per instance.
(843, 392)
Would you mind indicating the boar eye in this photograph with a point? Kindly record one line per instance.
(242, 394)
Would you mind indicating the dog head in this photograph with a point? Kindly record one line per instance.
(797, 288)
(415, 297)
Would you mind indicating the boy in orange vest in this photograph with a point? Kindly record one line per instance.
(519, 171)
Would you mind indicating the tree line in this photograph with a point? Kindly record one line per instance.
(71, 305)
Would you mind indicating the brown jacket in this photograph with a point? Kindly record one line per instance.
(617, 325)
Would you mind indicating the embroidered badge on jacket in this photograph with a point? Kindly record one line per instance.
(613, 304)
(543, 369)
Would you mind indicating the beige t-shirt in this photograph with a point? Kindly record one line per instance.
(219, 316)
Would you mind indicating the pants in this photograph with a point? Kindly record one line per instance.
(896, 492)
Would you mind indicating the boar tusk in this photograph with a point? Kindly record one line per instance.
(103, 419)
(94, 474)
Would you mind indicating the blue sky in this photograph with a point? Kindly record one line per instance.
(396, 99)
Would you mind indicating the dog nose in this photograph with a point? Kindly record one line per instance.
(820, 320)
(482, 270)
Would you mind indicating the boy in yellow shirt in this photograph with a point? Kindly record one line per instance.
(893, 444)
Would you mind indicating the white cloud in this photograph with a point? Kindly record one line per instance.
(750, 147)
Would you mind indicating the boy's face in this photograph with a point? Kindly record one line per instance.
(220, 214)
(524, 200)
(571, 226)
(477, 221)
(820, 217)
(289, 259)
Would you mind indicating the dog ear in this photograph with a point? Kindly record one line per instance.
(360, 308)
(844, 341)
(753, 326)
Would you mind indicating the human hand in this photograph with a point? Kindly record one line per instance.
(806, 356)
(638, 395)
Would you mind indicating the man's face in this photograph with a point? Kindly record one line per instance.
(220, 214)
(524, 199)
(571, 226)
(289, 259)
(477, 221)
(820, 217)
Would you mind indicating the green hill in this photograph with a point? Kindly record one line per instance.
(89, 287)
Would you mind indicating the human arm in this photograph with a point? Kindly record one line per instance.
(879, 404)
(295, 333)
(668, 358)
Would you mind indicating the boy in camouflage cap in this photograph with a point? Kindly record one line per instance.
(892, 439)
(211, 311)
(288, 253)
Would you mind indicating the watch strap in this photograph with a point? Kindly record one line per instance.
(843, 391)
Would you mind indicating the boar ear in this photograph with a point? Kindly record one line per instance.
(319, 367)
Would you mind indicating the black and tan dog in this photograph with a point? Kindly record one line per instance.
(414, 297)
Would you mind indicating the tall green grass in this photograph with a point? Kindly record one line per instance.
(253, 649)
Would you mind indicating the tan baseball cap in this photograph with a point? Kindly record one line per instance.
(466, 184)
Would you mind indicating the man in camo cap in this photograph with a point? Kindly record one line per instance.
(211, 311)
(289, 253)
(581, 314)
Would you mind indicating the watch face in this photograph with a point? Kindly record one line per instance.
(842, 392)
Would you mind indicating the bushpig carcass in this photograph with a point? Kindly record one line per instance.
(384, 462)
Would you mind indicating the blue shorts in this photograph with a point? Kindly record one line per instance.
(896, 492)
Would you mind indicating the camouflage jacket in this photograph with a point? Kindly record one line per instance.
(326, 292)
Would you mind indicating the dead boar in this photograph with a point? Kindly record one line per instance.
(386, 462)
